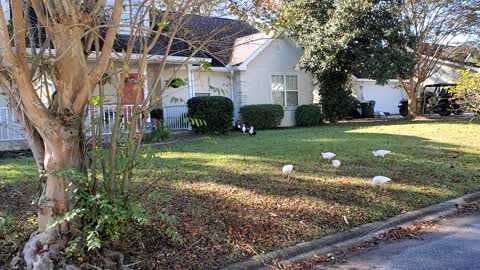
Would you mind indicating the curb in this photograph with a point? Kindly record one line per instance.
(361, 233)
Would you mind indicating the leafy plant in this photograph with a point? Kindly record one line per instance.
(171, 230)
(335, 92)
(158, 133)
(216, 113)
(177, 83)
(468, 86)
(308, 115)
(262, 116)
(4, 221)
(104, 217)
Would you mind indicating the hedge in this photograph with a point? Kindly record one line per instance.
(216, 112)
(308, 115)
(262, 116)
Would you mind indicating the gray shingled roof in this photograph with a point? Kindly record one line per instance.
(218, 33)
(197, 30)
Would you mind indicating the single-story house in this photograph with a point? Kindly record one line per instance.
(248, 66)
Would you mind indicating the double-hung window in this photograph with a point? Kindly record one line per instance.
(285, 90)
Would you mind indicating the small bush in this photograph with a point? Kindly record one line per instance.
(216, 113)
(262, 116)
(158, 133)
(308, 115)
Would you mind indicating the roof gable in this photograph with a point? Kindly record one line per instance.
(245, 47)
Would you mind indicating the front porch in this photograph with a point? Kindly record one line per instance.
(11, 137)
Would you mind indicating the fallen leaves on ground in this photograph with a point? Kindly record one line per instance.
(413, 231)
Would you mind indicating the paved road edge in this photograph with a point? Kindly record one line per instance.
(305, 250)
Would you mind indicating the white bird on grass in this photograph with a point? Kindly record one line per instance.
(381, 153)
(328, 155)
(252, 131)
(244, 129)
(336, 163)
(379, 180)
(287, 170)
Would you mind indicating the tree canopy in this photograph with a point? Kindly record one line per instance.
(347, 37)
(433, 28)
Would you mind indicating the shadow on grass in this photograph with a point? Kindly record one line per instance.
(231, 201)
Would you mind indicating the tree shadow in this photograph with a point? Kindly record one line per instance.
(232, 202)
(230, 197)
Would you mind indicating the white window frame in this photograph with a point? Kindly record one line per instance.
(203, 94)
(124, 27)
(285, 91)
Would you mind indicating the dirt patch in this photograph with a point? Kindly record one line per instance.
(19, 216)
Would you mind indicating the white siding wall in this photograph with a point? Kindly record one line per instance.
(202, 83)
(214, 83)
(174, 96)
(279, 57)
(444, 74)
(387, 97)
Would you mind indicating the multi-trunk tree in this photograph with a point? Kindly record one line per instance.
(57, 40)
(434, 29)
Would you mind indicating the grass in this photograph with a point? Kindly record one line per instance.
(231, 201)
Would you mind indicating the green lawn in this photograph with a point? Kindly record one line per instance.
(231, 201)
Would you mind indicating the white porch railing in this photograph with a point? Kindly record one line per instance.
(174, 117)
(109, 112)
(9, 128)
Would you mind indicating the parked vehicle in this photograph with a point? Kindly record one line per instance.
(441, 99)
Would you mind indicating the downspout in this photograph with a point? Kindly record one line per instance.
(191, 82)
(232, 95)
(146, 92)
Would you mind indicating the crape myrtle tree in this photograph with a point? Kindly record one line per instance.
(434, 29)
(86, 188)
(342, 37)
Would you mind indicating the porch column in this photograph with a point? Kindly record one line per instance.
(191, 81)
(146, 92)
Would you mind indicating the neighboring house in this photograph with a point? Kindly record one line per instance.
(387, 97)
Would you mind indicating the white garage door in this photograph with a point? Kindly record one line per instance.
(386, 97)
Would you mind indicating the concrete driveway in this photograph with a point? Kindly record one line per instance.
(455, 244)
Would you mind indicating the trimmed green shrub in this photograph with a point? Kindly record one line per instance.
(262, 116)
(216, 113)
(308, 115)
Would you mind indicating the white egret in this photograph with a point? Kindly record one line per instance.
(381, 153)
(336, 163)
(328, 155)
(252, 131)
(287, 170)
(379, 180)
